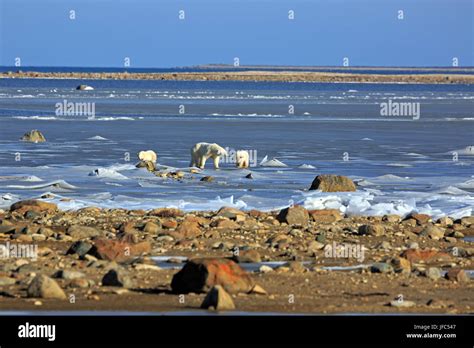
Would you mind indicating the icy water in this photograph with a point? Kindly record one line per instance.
(401, 163)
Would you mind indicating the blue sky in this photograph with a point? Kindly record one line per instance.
(150, 33)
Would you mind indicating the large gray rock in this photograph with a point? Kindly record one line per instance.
(296, 215)
(44, 287)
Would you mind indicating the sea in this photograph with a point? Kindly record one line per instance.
(408, 147)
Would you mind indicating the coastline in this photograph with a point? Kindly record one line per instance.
(254, 76)
(421, 259)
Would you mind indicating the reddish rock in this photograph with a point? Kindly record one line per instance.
(166, 212)
(296, 215)
(415, 255)
(169, 224)
(22, 207)
(200, 275)
(420, 219)
(326, 216)
(117, 250)
(333, 183)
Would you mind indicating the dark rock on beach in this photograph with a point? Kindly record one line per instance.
(199, 275)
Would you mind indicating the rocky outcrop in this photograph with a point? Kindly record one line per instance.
(333, 183)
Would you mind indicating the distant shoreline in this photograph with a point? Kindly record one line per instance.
(254, 76)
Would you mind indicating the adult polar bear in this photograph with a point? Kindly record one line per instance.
(202, 151)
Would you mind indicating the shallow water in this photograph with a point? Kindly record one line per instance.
(401, 164)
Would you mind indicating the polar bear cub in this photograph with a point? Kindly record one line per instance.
(148, 156)
(202, 151)
(242, 159)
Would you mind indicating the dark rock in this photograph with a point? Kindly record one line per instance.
(80, 248)
(381, 267)
(117, 277)
(199, 275)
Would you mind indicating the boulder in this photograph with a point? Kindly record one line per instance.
(458, 275)
(33, 205)
(82, 232)
(296, 215)
(218, 299)
(200, 275)
(84, 88)
(44, 287)
(34, 136)
(333, 183)
(230, 213)
(189, 228)
(435, 233)
(427, 256)
(117, 277)
(420, 219)
(226, 224)
(372, 230)
(118, 250)
(326, 216)
(80, 248)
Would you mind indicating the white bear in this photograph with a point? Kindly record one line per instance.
(242, 159)
(149, 156)
(202, 151)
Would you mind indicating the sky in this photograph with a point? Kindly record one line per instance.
(104, 33)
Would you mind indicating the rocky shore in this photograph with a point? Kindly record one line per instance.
(269, 76)
(283, 261)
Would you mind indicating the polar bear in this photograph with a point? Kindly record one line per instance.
(242, 159)
(147, 156)
(202, 151)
